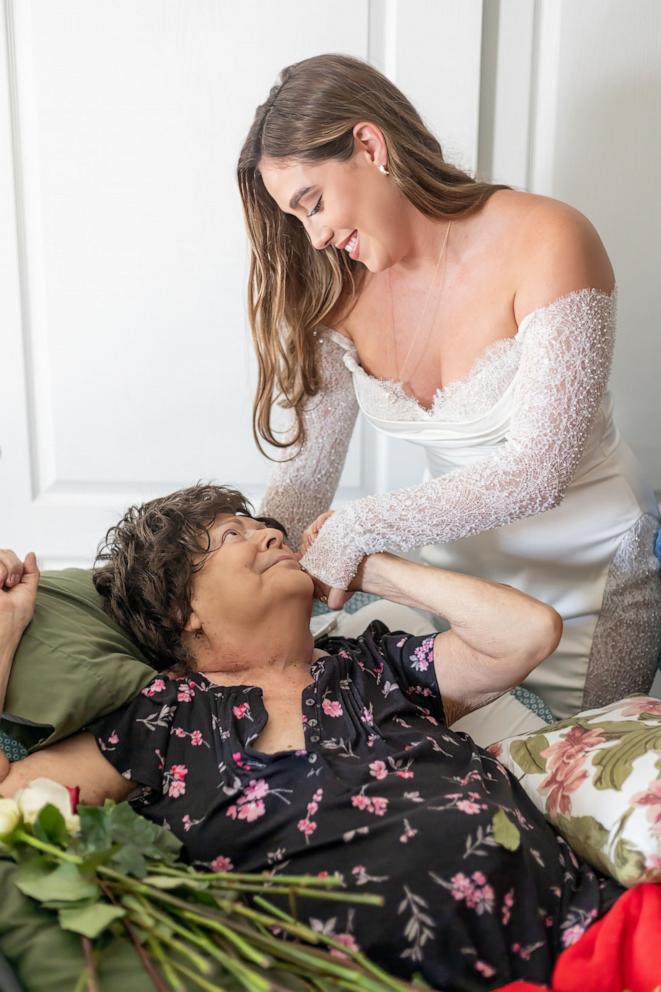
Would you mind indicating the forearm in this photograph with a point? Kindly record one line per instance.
(488, 616)
(9, 641)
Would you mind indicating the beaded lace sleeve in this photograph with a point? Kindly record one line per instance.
(565, 362)
(303, 487)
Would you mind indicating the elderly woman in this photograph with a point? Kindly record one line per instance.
(263, 752)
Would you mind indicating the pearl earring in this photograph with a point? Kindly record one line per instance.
(383, 170)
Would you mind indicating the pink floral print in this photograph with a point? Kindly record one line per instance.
(474, 890)
(221, 863)
(636, 707)
(175, 780)
(423, 656)
(332, 708)
(376, 727)
(566, 767)
(158, 685)
(306, 824)
(651, 798)
(242, 711)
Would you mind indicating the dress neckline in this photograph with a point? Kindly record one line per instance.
(499, 345)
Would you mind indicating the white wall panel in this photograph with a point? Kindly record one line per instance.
(124, 347)
(130, 357)
(606, 160)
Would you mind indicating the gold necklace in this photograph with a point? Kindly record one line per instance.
(400, 374)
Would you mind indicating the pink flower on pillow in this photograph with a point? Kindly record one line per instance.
(651, 797)
(566, 767)
(637, 706)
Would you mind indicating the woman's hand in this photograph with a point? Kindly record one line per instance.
(18, 592)
(333, 598)
(310, 533)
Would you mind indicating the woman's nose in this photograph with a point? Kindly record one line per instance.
(271, 537)
(322, 239)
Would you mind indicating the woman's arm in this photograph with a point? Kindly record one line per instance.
(497, 634)
(18, 591)
(303, 487)
(565, 361)
(76, 761)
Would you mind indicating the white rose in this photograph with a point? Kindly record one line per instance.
(42, 792)
(10, 817)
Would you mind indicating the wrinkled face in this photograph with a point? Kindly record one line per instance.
(348, 204)
(247, 577)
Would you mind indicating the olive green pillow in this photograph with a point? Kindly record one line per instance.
(73, 663)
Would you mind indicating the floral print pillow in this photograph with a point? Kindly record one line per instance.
(597, 778)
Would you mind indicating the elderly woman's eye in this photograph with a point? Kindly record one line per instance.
(227, 532)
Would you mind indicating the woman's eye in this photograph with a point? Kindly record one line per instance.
(235, 533)
(316, 207)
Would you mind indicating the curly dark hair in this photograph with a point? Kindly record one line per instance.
(145, 565)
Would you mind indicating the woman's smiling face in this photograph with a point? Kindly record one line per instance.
(337, 201)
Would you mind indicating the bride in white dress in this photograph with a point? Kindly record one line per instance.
(473, 320)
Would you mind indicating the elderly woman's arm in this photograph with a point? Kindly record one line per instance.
(76, 761)
(497, 634)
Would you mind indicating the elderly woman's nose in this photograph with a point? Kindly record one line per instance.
(270, 537)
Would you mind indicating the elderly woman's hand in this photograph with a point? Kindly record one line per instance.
(334, 598)
(18, 592)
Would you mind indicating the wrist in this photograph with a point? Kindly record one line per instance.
(383, 574)
(10, 638)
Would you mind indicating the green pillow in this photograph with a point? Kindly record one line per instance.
(73, 663)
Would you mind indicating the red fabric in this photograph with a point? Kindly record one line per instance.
(620, 951)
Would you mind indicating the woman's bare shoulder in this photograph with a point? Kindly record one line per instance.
(555, 251)
(347, 315)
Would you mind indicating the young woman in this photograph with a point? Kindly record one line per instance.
(264, 753)
(471, 319)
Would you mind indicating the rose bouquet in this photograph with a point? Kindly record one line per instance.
(108, 872)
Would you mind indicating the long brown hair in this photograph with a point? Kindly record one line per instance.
(309, 116)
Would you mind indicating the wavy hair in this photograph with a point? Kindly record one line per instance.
(309, 116)
(144, 567)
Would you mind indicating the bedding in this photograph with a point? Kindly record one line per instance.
(597, 778)
(73, 663)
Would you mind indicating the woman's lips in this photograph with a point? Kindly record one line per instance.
(354, 254)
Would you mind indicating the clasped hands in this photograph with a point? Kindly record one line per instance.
(334, 598)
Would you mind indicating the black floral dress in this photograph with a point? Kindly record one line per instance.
(383, 795)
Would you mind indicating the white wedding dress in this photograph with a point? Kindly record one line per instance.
(528, 482)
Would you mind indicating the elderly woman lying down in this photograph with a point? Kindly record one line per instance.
(262, 752)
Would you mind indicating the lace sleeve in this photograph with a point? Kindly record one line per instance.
(303, 487)
(565, 361)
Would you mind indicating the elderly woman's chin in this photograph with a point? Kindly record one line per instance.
(291, 578)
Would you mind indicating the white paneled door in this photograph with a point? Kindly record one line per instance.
(126, 368)
(126, 364)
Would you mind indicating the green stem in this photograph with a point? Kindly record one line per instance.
(292, 890)
(90, 970)
(41, 845)
(164, 964)
(200, 982)
(311, 881)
